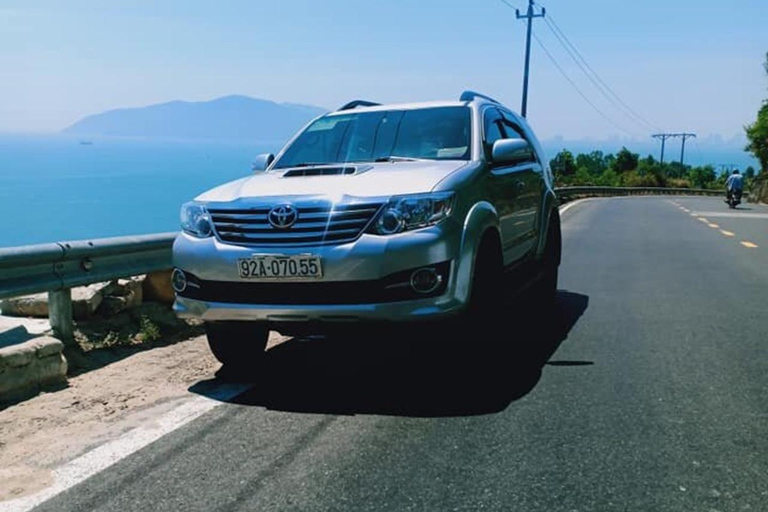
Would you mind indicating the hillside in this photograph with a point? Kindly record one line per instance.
(230, 117)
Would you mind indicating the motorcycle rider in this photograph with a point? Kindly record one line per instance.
(734, 184)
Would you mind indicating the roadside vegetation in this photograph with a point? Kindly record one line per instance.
(628, 169)
(757, 132)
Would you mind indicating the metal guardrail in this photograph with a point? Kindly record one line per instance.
(569, 192)
(58, 267)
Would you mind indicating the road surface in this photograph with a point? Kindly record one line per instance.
(649, 393)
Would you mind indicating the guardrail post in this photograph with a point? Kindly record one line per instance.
(60, 315)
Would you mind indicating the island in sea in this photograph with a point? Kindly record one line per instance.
(228, 118)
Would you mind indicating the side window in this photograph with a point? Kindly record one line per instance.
(492, 130)
(513, 131)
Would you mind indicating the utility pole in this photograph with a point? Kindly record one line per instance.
(682, 150)
(529, 16)
(663, 137)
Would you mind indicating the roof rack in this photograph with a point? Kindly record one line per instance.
(358, 103)
(471, 95)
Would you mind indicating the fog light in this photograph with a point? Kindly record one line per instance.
(178, 280)
(425, 280)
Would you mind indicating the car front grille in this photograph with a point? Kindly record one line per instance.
(315, 224)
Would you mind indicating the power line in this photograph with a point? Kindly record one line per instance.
(604, 88)
(578, 90)
(612, 98)
(560, 69)
(509, 4)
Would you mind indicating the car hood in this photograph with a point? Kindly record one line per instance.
(370, 180)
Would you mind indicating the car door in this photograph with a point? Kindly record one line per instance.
(503, 188)
(530, 185)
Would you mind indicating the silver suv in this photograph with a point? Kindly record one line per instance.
(373, 213)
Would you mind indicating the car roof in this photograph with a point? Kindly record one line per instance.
(401, 106)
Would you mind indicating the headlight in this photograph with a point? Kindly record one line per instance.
(195, 220)
(404, 213)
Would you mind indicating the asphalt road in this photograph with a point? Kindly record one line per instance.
(649, 392)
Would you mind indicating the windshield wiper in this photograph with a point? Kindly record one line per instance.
(394, 158)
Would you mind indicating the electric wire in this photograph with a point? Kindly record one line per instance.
(552, 24)
(578, 89)
(596, 81)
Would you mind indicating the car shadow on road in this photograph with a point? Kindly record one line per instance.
(414, 375)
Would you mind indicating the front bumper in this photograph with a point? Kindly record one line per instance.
(367, 259)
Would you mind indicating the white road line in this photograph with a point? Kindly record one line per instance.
(570, 205)
(739, 215)
(132, 441)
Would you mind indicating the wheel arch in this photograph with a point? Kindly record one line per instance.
(481, 222)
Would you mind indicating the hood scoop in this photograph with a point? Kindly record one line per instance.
(326, 171)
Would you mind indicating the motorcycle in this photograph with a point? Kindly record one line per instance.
(734, 198)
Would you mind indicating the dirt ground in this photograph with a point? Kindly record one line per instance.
(98, 405)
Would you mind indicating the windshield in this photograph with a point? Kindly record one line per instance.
(441, 133)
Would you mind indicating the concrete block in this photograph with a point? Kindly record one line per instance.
(27, 367)
(47, 346)
(17, 355)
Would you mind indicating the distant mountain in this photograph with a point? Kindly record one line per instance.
(230, 117)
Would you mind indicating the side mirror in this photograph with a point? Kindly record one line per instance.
(262, 162)
(512, 151)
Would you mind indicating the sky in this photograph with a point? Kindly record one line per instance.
(688, 65)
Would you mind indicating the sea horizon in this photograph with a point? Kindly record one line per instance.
(61, 187)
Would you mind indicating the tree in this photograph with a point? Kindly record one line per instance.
(625, 161)
(757, 132)
(563, 164)
(593, 163)
(702, 177)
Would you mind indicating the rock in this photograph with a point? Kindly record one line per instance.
(124, 295)
(85, 301)
(157, 287)
(29, 305)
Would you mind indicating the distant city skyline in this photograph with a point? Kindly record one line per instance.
(683, 66)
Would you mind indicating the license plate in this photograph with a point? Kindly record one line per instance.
(280, 267)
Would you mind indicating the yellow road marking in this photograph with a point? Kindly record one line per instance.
(713, 225)
(726, 233)
(747, 243)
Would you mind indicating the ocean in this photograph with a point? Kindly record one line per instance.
(55, 188)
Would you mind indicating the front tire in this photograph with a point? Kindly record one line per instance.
(237, 345)
(486, 295)
(546, 289)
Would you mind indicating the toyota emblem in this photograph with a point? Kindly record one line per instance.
(283, 216)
